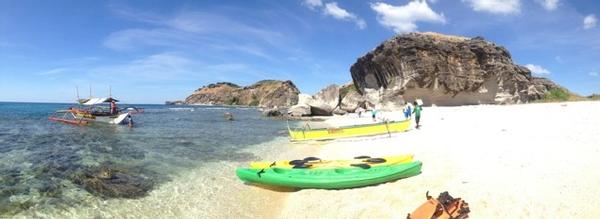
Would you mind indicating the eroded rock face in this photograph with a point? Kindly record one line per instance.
(266, 93)
(325, 101)
(445, 70)
(352, 101)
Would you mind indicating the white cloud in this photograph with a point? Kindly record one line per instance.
(496, 6)
(590, 21)
(536, 69)
(549, 5)
(403, 19)
(595, 74)
(332, 9)
(162, 66)
(313, 4)
(559, 59)
(54, 71)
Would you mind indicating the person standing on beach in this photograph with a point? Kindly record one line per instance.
(417, 113)
(374, 114)
(407, 111)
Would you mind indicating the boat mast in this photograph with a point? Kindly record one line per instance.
(77, 90)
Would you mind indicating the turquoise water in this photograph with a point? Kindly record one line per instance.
(54, 170)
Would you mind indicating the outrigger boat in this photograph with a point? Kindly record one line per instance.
(96, 111)
(386, 127)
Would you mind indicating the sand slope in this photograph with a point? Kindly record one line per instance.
(517, 161)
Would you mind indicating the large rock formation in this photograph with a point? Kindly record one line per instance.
(266, 93)
(444, 70)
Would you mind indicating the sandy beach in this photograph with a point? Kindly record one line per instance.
(506, 161)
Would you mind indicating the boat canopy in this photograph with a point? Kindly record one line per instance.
(94, 101)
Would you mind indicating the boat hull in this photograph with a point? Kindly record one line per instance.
(115, 120)
(329, 178)
(349, 131)
(391, 160)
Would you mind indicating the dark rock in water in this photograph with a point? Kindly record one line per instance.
(110, 181)
(444, 70)
(272, 112)
(176, 102)
(266, 93)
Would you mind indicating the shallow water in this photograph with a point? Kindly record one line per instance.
(184, 158)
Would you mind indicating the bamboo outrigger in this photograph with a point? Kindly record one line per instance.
(386, 127)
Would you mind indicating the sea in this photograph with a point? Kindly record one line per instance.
(177, 161)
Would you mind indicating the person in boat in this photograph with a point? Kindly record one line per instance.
(417, 113)
(113, 107)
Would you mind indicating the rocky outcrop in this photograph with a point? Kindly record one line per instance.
(444, 70)
(266, 93)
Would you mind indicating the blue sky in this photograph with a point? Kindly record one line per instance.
(151, 51)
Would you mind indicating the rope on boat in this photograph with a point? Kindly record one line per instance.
(387, 128)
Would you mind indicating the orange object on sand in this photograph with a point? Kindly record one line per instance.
(445, 207)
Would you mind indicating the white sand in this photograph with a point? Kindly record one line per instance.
(517, 161)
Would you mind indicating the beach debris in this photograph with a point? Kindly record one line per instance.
(444, 207)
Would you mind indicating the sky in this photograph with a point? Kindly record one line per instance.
(151, 51)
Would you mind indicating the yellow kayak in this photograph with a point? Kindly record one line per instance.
(313, 162)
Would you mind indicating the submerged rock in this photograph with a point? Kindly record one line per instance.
(110, 181)
(445, 70)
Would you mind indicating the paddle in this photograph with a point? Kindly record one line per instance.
(308, 159)
(361, 165)
(375, 160)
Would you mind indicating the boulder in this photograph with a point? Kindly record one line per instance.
(443, 70)
(325, 101)
(299, 110)
(274, 112)
(351, 101)
(338, 111)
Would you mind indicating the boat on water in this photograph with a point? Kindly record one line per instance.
(386, 127)
(93, 110)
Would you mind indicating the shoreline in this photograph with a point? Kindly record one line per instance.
(474, 152)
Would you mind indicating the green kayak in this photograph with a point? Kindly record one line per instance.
(329, 178)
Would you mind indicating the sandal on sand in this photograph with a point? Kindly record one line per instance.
(444, 207)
